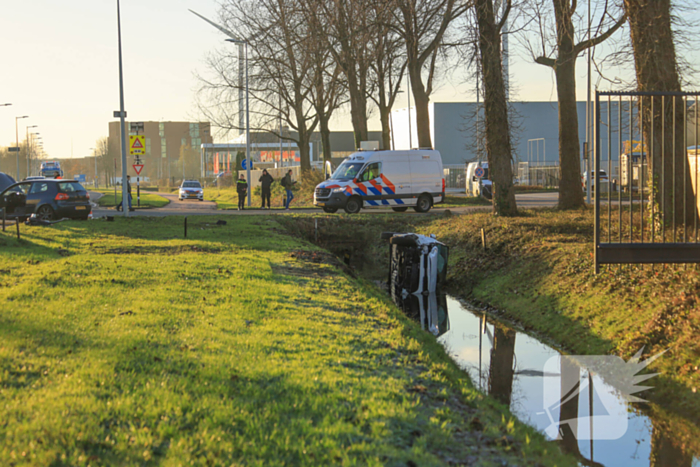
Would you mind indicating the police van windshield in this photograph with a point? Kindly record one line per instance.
(347, 171)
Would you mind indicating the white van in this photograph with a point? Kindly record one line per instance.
(384, 179)
(476, 187)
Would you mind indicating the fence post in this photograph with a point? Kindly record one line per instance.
(596, 162)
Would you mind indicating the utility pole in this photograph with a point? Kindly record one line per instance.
(122, 118)
(17, 141)
(587, 146)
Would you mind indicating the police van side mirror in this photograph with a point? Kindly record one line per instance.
(475, 178)
(328, 176)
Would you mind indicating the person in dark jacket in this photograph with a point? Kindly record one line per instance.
(288, 183)
(128, 189)
(265, 182)
(242, 189)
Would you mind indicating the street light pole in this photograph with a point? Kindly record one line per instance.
(94, 154)
(28, 153)
(17, 141)
(408, 94)
(35, 136)
(4, 105)
(122, 117)
(236, 39)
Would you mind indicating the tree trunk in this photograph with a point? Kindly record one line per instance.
(358, 110)
(303, 143)
(657, 70)
(570, 383)
(570, 189)
(501, 365)
(325, 136)
(498, 144)
(422, 100)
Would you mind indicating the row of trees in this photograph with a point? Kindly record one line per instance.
(310, 57)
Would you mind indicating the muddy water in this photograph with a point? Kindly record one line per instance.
(594, 420)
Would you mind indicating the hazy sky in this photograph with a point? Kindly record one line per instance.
(60, 66)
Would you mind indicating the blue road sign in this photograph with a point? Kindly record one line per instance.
(244, 164)
(479, 172)
(81, 178)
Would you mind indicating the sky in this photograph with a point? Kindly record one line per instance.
(60, 67)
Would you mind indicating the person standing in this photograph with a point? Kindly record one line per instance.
(265, 182)
(128, 190)
(288, 183)
(242, 189)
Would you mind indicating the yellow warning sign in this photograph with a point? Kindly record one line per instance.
(137, 145)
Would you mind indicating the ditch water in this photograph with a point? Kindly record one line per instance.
(594, 420)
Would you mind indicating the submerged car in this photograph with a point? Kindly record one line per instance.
(47, 199)
(191, 189)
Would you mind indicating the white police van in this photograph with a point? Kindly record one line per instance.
(384, 179)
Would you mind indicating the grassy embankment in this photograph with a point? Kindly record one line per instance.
(537, 270)
(124, 344)
(148, 200)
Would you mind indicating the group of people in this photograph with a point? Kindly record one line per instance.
(266, 181)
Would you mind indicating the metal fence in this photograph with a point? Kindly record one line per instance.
(546, 176)
(455, 176)
(646, 178)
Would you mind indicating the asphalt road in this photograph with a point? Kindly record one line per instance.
(208, 208)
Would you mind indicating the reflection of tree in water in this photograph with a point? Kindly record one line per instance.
(570, 383)
(501, 365)
(666, 450)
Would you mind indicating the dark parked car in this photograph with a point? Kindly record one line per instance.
(5, 181)
(48, 199)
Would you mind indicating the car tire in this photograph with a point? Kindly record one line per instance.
(330, 210)
(353, 205)
(201, 199)
(45, 213)
(401, 209)
(424, 203)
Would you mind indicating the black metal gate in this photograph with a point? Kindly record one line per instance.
(645, 178)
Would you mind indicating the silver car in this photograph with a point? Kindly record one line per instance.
(191, 189)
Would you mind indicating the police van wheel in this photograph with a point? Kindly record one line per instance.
(329, 210)
(402, 209)
(424, 203)
(353, 205)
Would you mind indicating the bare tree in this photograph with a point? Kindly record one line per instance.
(328, 94)
(348, 30)
(282, 69)
(388, 67)
(498, 138)
(657, 69)
(423, 25)
(560, 54)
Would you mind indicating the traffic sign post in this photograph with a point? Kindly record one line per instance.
(138, 167)
(479, 172)
(137, 145)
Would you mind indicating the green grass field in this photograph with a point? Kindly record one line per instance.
(148, 200)
(124, 344)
